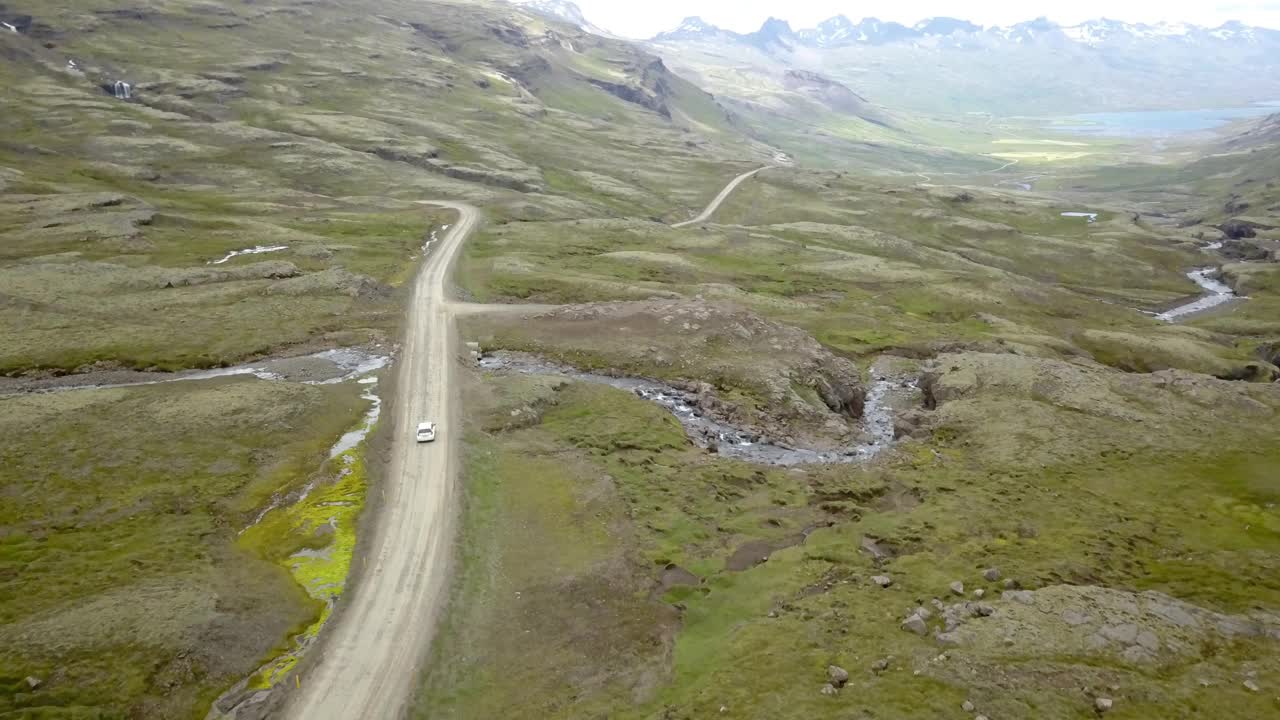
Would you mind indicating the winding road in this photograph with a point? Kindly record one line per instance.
(719, 200)
(369, 661)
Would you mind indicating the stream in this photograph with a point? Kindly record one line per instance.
(328, 367)
(1219, 293)
(259, 250)
(715, 434)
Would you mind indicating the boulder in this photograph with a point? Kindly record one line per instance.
(880, 665)
(1026, 597)
(915, 624)
(991, 574)
(1102, 705)
(883, 581)
(957, 588)
(829, 689)
(33, 682)
(967, 706)
(837, 675)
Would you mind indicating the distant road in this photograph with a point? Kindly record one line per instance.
(715, 204)
(370, 660)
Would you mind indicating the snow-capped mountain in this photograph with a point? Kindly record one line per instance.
(945, 27)
(830, 33)
(695, 28)
(563, 10)
(775, 34)
(840, 31)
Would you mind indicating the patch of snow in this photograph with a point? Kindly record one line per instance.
(259, 250)
(12, 28)
(1093, 217)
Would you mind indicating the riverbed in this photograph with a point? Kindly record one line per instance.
(327, 367)
(717, 435)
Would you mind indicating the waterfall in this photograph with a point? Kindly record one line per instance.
(122, 90)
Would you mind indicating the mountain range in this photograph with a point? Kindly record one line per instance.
(840, 31)
(944, 66)
(947, 65)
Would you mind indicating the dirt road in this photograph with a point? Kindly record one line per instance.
(369, 663)
(715, 204)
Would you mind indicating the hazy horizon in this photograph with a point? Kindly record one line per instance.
(651, 18)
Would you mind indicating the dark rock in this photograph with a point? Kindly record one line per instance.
(675, 576)
(1245, 251)
(1237, 229)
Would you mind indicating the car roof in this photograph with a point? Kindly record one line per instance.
(426, 425)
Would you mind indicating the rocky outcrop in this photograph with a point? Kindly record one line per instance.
(1245, 251)
(650, 88)
(330, 282)
(1133, 628)
(1237, 229)
(831, 93)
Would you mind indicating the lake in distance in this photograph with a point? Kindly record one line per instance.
(1158, 122)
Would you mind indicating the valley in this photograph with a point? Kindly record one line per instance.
(833, 372)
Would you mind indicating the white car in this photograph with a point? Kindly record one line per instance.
(426, 432)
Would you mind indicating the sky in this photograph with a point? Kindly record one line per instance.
(647, 18)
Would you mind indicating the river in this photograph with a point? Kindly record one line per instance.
(716, 434)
